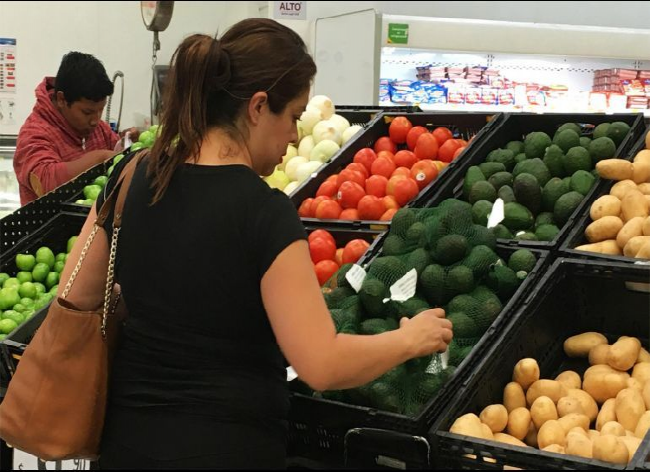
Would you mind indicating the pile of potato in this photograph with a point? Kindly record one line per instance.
(621, 225)
(563, 415)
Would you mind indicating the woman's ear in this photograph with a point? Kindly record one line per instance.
(256, 106)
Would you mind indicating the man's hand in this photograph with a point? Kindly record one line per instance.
(135, 133)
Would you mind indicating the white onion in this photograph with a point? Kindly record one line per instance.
(326, 130)
(324, 151)
(324, 104)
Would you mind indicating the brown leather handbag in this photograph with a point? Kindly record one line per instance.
(55, 405)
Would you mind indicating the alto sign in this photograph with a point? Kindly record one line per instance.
(290, 10)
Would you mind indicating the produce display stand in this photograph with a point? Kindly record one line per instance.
(573, 297)
(514, 127)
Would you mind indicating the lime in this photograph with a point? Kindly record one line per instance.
(52, 279)
(40, 272)
(24, 277)
(46, 298)
(60, 257)
(136, 146)
(8, 298)
(44, 255)
(80, 202)
(110, 170)
(25, 262)
(54, 290)
(153, 129)
(28, 302)
(28, 313)
(58, 266)
(3, 277)
(19, 307)
(27, 290)
(2, 337)
(101, 181)
(40, 288)
(71, 243)
(146, 138)
(91, 192)
(7, 326)
(14, 316)
(117, 159)
(11, 282)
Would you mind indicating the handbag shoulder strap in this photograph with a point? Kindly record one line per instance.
(117, 196)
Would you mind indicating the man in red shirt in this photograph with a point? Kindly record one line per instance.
(65, 135)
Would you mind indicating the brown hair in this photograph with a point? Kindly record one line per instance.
(211, 81)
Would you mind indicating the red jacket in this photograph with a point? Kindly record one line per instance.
(46, 141)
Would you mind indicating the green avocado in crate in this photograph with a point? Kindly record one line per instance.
(457, 269)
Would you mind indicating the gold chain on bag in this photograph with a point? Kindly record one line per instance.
(109, 281)
(84, 251)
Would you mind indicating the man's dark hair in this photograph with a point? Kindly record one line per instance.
(82, 76)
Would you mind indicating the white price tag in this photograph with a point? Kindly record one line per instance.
(404, 288)
(291, 374)
(497, 214)
(24, 461)
(356, 276)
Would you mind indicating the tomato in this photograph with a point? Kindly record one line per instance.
(458, 152)
(399, 129)
(350, 214)
(339, 257)
(328, 209)
(382, 166)
(327, 189)
(388, 214)
(325, 270)
(371, 207)
(390, 186)
(426, 147)
(322, 234)
(385, 144)
(376, 185)
(359, 168)
(405, 190)
(354, 250)
(405, 159)
(322, 249)
(405, 171)
(386, 155)
(352, 176)
(447, 150)
(314, 205)
(305, 208)
(424, 172)
(414, 134)
(349, 194)
(332, 178)
(390, 203)
(442, 134)
(365, 156)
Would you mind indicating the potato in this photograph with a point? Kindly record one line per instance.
(588, 403)
(605, 228)
(519, 421)
(495, 416)
(620, 189)
(608, 448)
(643, 155)
(526, 372)
(603, 369)
(507, 439)
(634, 204)
(635, 384)
(513, 396)
(646, 395)
(572, 420)
(615, 169)
(531, 437)
(614, 428)
(641, 372)
(643, 188)
(641, 172)
(631, 443)
(624, 353)
(551, 432)
(569, 379)
(542, 410)
(643, 425)
(644, 356)
(634, 245)
(557, 449)
(607, 205)
(645, 228)
(468, 425)
(592, 433)
(549, 388)
(579, 445)
(644, 252)
(598, 355)
(632, 228)
(578, 430)
(604, 386)
(607, 413)
(580, 344)
(487, 432)
(568, 405)
(629, 408)
(595, 247)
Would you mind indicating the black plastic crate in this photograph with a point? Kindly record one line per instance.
(576, 236)
(463, 125)
(573, 297)
(317, 427)
(514, 127)
(54, 234)
(384, 108)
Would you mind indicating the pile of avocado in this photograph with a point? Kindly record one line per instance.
(540, 180)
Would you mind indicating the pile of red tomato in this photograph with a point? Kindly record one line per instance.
(327, 258)
(381, 180)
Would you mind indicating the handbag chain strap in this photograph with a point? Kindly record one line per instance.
(84, 251)
(109, 281)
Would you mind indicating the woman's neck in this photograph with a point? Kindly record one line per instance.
(218, 148)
